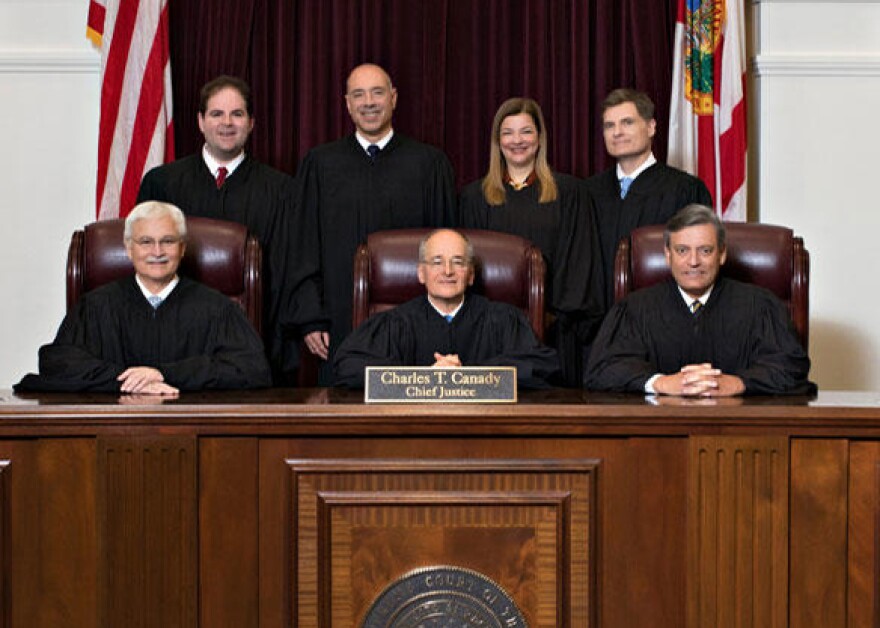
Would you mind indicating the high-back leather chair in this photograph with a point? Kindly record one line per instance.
(219, 254)
(508, 268)
(769, 256)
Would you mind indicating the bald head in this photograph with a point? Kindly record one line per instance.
(370, 98)
(370, 72)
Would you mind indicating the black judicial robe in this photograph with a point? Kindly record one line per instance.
(344, 196)
(262, 199)
(653, 198)
(565, 232)
(743, 330)
(198, 338)
(483, 333)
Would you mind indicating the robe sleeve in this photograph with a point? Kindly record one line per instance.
(311, 314)
(619, 359)
(150, 189)
(578, 281)
(536, 364)
(281, 277)
(233, 359)
(382, 340)
(700, 194)
(440, 188)
(73, 361)
(777, 363)
(472, 207)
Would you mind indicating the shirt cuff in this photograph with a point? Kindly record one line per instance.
(649, 385)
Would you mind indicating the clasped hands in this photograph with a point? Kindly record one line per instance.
(451, 359)
(145, 380)
(699, 380)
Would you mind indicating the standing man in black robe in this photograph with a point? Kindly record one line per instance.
(153, 332)
(222, 181)
(373, 179)
(639, 190)
(445, 328)
(699, 334)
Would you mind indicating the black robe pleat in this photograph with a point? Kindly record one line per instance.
(743, 330)
(483, 333)
(197, 338)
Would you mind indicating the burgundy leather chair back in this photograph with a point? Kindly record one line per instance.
(508, 268)
(766, 255)
(219, 254)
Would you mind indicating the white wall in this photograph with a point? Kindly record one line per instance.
(818, 79)
(49, 119)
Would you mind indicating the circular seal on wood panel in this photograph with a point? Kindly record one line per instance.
(443, 597)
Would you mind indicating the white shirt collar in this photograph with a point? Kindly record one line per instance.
(688, 299)
(650, 161)
(453, 313)
(213, 164)
(165, 291)
(364, 142)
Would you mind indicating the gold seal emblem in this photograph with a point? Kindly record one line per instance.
(443, 597)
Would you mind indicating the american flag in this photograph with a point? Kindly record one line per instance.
(707, 121)
(135, 131)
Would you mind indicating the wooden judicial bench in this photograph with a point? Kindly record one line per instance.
(297, 508)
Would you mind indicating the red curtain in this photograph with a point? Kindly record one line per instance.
(452, 61)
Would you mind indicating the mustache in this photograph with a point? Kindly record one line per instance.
(157, 259)
(369, 108)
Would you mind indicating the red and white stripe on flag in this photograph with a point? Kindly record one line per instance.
(707, 120)
(135, 132)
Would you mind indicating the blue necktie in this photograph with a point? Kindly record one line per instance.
(154, 300)
(448, 317)
(373, 152)
(625, 182)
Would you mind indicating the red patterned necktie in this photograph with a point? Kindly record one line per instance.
(221, 176)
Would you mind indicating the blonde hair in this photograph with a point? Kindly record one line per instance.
(493, 182)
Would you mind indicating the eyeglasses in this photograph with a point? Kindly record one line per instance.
(439, 263)
(164, 243)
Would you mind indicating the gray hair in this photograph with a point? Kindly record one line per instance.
(469, 248)
(691, 216)
(155, 209)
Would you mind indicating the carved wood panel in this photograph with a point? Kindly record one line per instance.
(358, 525)
(863, 536)
(737, 529)
(147, 504)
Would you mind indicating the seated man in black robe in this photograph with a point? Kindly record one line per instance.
(153, 332)
(699, 333)
(223, 181)
(446, 328)
(638, 190)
